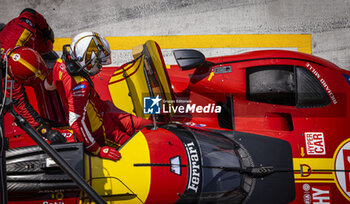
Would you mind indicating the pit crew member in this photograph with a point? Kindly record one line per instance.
(98, 124)
(31, 30)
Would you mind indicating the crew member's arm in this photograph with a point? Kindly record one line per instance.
(48, 82)
(24, 108)
(21, 103)
(78, 100)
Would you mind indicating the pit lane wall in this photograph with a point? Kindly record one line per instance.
(215, 27)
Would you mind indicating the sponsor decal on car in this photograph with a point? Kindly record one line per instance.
(194, 167)
(316, 194)
(342, 167)
(315, 144)
(323, 82)
(195, 124)
(347, 78)
(195, 175)
(175, 165)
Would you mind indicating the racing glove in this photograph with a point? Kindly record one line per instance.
(54, 136)
(109, 153)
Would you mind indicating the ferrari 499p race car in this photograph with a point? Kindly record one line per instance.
(259, 127)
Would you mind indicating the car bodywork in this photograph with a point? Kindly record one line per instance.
(279, 134)
(293, 96)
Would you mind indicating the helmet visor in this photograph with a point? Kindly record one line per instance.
(106, 60)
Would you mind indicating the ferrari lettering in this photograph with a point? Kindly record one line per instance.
(320, 195)
(195, 168)
(315, 144)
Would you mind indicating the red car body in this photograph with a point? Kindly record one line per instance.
(318, 130)
(291, 96)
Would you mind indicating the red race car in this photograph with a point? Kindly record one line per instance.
(258, 127)
(286, 95)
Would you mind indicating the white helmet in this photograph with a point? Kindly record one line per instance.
(90, 50)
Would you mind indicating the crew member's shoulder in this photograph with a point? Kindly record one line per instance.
(60, 64)
(59, 70)
(60, 67)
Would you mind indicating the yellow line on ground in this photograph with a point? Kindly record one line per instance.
(300, 41)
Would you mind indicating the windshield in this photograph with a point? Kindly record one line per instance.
(219, 158)
(214, 166)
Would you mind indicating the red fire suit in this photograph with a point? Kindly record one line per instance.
(25, 30)
(96, 123)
